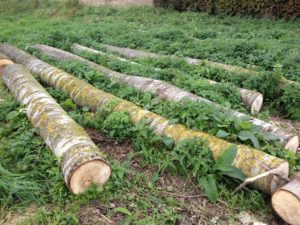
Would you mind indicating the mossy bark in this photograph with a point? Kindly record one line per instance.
(172, 93)
(67, 140)
(251, 99)
(250, 161)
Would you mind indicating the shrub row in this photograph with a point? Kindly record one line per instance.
(267, 8)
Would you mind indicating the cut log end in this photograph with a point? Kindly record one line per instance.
(287, 205)
(5, 62)
(292, 144)
(257, 104)
(92, 172)
(286, 201)
(277, 182)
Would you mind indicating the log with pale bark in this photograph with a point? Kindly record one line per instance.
(163, 89)
(251, 162)
(81, 161)
(286, 201)
(252, 99)
(132, 53)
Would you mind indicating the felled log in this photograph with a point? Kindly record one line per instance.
(250, 161)
(81, 161)
(286, 201)
(163, 89)
(252, 99)
(132, 53)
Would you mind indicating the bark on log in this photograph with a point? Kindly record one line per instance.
(286, 201)
(250, 161)
(132, 53)
(81, 161)
(160, 88)
(252, 99)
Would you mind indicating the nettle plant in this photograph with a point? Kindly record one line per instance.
(199, 116)
(289, 102)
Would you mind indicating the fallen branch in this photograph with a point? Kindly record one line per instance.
(81, 161)
(252, 99)
(163, 89)
(87, 95)
(250, 180)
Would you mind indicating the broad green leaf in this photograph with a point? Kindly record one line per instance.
(245, 125)
(270, 137)
(122, 210)
(235, 173)
(69, 104)
(168, 142)
(208, 184)
(222, 134)
(11, 115)
(248, 135)
(227, 156)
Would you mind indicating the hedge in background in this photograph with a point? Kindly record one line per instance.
(268, 8)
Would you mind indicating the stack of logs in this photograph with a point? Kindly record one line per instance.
(81, 161)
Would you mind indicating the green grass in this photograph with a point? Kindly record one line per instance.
(30, 174)
(33, 176)
(248, 42)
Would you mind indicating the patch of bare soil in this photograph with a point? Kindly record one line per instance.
(117, 2)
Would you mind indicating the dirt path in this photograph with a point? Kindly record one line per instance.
(117, 2)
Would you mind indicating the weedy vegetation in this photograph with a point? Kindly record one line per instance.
(30, 175)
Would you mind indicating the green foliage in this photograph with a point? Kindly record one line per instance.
(22, 152)
(28, 163)
(199, 116)
(117, 125)
(194, 115)
(16, 6)
(224, 164)
(225, 94)
(61, 40)
(289, 102)
(72, 3)
(55, 217)
(189, 158)
(232, 7)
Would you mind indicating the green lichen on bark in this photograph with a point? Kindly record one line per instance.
(68, 141)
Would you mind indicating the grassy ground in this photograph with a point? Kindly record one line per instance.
(32, 190)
